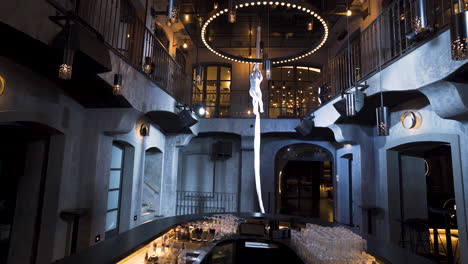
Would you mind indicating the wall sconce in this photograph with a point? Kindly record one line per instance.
(2, 85)
(408, 120)
(459, 35)
(66, 68)
(411, 120)
(144, 130)
(148, 67)
(117, 88)
(383, 118)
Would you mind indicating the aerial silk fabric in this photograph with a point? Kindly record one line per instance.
(255, 92)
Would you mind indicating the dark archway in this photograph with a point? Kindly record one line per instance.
(24, 158)
(423, 194)
(304, 181)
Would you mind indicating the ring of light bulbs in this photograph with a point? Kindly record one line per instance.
(291, 4)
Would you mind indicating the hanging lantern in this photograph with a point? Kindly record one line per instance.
(420, 20)
(459, 36)
(232, 16)
(215, 5)
(198, 77)
(117, 88)
(383, 121)
(350, 104)
(354, 101)
(65, 69)
(148, 66)
(175, 15)
(267, 67)
(310, 25)
(231, 12)
(172, 13)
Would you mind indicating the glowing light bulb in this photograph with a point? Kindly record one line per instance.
(349, 12)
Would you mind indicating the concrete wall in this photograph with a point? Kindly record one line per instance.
(79, 159)
(200, 172)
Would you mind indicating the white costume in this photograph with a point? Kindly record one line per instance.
(256, 78)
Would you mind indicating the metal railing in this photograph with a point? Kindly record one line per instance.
(205, 202)
(390, 29)
(122, 27)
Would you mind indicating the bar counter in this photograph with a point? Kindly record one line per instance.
(117, 248)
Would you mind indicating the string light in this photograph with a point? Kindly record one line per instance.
(303, 7)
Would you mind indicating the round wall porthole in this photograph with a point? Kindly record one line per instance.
(2, 85)
(408, 120)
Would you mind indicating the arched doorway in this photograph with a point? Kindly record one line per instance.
(304, 181)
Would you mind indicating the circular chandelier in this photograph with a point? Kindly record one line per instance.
(301, 6)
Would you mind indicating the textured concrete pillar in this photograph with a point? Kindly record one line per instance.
(170, 171)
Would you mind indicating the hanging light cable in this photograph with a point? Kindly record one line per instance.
(267, 61)
(350, 96)
(382, 113)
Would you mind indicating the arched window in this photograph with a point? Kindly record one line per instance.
(215, 90)
(292, 92)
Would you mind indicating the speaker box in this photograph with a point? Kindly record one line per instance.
(187, 118)
(305, 126)
(222, 150)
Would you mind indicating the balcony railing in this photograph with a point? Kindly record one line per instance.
(390, 30)
(205, 202)
(123, 29)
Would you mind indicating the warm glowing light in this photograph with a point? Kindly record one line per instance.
(185, 45)
(65, 72)
(250, 60)
(2, 85)
(349, 12)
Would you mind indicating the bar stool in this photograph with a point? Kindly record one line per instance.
(418, 235)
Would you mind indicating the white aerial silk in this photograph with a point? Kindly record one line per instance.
(257, 103)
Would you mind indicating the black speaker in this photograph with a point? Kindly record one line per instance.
(305, 126)
(222, 150)
(187, 118)
(340, 106)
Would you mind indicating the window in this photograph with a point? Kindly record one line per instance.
(292, 93)
(215, 90)
(114, 191)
